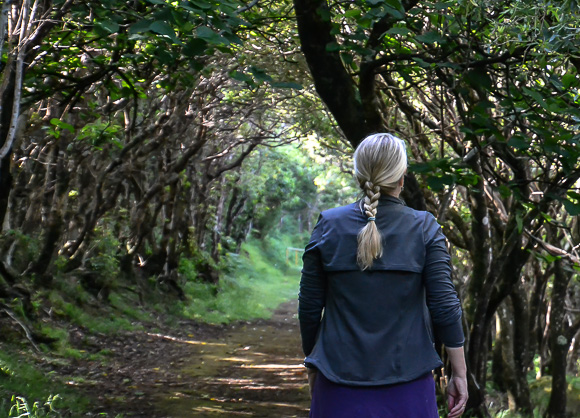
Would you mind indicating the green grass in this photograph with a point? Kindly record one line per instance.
(257, 281)
(32, 391)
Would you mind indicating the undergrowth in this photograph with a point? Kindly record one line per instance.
(28, 392)
(252, 284)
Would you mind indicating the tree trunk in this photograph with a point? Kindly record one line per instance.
(511, 348)
(6, 102)
(60, 178)
(218, 227)
(572, 367)
(559, 344)
(332, 82)
(521, 354)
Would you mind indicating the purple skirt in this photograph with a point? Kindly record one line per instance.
(415, 399)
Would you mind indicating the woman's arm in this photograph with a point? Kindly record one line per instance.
(312, 296)
(457, 388)
(445, 310)
(442, 301)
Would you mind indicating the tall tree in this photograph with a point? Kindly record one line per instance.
(491, 117)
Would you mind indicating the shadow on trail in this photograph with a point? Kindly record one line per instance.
(253, 370)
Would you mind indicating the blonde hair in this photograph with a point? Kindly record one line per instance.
(380, 161)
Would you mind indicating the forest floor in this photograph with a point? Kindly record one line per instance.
(243, 369)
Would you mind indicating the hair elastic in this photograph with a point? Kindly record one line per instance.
(371, 218)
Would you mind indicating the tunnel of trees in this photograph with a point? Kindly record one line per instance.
(136, 134)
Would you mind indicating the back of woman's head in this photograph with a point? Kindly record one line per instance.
(380, 161)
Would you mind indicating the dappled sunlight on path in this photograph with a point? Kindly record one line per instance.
(254, 370)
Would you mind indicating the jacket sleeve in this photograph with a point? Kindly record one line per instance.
(312, 296)
(442, 301)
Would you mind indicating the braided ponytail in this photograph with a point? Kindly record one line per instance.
(370, 245)
(380, 162)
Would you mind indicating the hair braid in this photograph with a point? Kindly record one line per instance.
(370, 245)
(373, 193)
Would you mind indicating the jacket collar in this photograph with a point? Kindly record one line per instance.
(389, 200)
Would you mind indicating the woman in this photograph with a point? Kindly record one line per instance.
(381, 272)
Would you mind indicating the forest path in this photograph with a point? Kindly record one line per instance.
(254, 369)
(249, 368)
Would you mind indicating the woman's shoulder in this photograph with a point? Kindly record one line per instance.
(340, 211)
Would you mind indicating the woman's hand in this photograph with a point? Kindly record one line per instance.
(312, 373)
(457, 387)
(457, 396)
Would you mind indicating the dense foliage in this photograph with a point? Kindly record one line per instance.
(136, 135)
(133, 122)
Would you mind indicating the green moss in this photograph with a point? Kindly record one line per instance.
(103, 320)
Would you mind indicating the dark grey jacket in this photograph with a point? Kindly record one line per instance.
(378, 324)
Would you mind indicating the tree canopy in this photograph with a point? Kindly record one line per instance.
(134, 135)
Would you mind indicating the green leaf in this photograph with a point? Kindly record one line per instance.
(240, 76)
(505, 191)
(233, 39)
(332, 47)
(438, 183)
(365, 22)
(467, 179)
(536, 96)
(569, 80)
(550, 258)
(420, 167)
(430, 38)
(63, 125)
(444, 5)
(572, 208)
(398, 31)
(518, 142)
(397, 5)
(352, 13)
(422, 64)
(201, 4)
(195, 47)
(519, 222)
(210, 36)
(140, 26)
(163, 28)
(164, 56)
(478, 77)
(287, 85)
(346, 58)
(394, 12)
(109, 26)
(260, 74)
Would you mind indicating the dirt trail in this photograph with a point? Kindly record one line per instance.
(244, 369)
(195, 370)
(253, 370)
